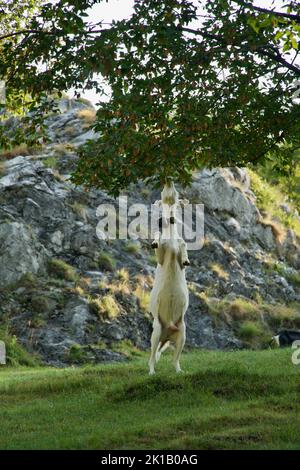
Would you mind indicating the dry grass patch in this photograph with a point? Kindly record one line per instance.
(236, 310)
(87, 115)
(61, 150)
(18, 150)
(143, 296)
(105, 307)
(283, 316)
(219, 271)
(277, 229)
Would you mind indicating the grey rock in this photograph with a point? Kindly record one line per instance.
(20, 252)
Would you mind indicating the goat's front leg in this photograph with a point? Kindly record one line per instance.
(184, 254)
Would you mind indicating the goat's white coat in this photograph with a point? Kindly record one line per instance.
(169, 297)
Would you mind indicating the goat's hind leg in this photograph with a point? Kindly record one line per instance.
(179, 344)
(155, 340)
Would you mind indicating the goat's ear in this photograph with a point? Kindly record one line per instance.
(157, 203)
(184, 202)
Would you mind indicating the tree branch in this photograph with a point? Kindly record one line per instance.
(278, 58)
(53, 32)
(282, 14)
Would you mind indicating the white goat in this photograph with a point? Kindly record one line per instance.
(169, 296)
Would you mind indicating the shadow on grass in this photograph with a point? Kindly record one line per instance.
(229, 384)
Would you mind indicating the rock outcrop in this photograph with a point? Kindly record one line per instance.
(93, 308)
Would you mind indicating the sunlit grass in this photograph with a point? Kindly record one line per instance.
(223, 400)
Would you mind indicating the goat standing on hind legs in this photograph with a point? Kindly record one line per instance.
(169, 297)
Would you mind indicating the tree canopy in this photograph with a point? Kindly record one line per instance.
(193, 83)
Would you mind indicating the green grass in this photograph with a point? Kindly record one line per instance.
(62, 270)
(50, 162)
(106, 261)
(16, 355)
(223, 400)
(269, 199)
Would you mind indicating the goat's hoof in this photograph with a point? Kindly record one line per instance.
(179, 371)
(154, 244)
(186, 263)
(151, 372)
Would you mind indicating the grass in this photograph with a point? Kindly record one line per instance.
(239, 309)
(253, 334)
(219, 271)
(104, 307)
(123, 275)
(61, 150)
(62, 270)
(223, 400)
(269, 200)
(253, 321)
(50, 162)
(16, 355)
(2, 169)
(132, 248)
(106, 261)
(80, 210)
(143, 297)
(23, 149)
(87, 115)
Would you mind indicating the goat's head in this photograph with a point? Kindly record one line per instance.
(169, 194)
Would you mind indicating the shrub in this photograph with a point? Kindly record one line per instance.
(80, 210)
(277, 229)
(143, 297)
(249, 330)
(40, 304)
(62, 270)
(22, 149)
(16, 355)
(132, 247)
(77, 354)
(269, 199)
(61, 150)
(104, 307)
(236, 310)
(294, 278)
(280, 315)
(28, 280)
(126, 348)
(106, 261)
(2, 169)
(152, 260)
(87, 115)
(123, 275)
(219, 271)
(50, 162)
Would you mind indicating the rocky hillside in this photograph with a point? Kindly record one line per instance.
(71, 298)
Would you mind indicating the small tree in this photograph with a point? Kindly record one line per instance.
(193, 84)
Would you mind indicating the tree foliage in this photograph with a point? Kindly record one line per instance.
(193, 83)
